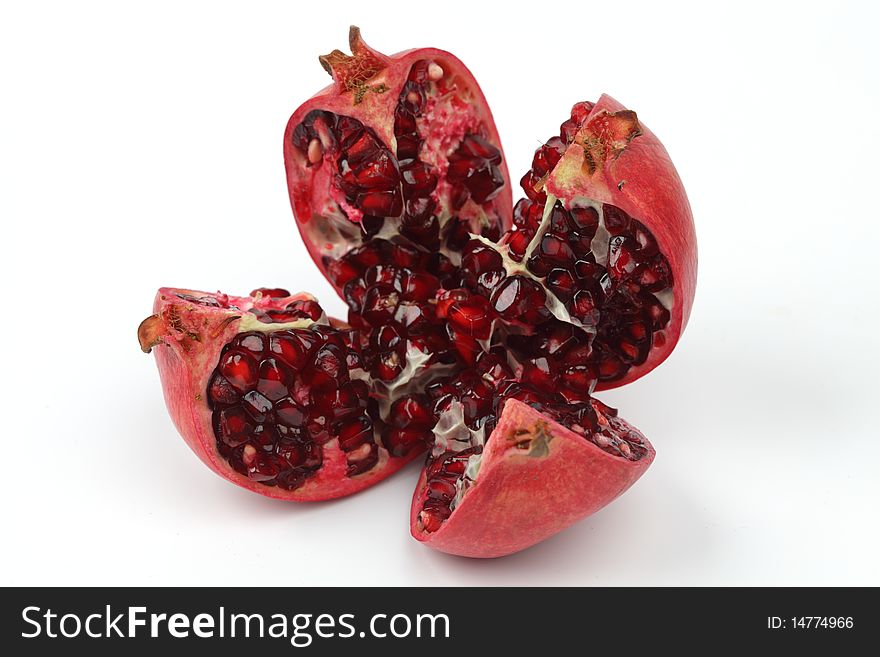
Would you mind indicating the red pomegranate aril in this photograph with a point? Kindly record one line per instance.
(289, 413)
(221, 391)
(403, 441)
(472, 316)
(474, 166)
(410, 412)
(355, 432)
(240, 370)
(562, 283)
(441, 489)
(519, 299)
(275, 378)
(418, 179)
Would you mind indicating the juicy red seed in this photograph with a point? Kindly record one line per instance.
(617, 221)
(387, 274)
(518, 242)
(579, 377)
(389, 365)
(293, 346)
(290, 413)
(234, 422)
(621, 258)
(537, 373)
(408, 145)
(586, 219)
(385, 337)
(418, 180)
(271, 292)
(362, 459)
(584, 307)
(555, 249)
(548, 156)
(402, 441)
(419, 224)
(409, 412)
(406, 256)
(381, 172)
(363, 148)
(308, 308)
(275, 377)
(473, 316)
(380, 304)
(385, 202)
(441, 489)
(418, 286)
(432, 519)
(474, 166)
(404, 122)
(467, 347)
(562, 283)
(579, 114)
(521, 299)
(330, 360)
(240, 369)
(355, 432)
(220, 391)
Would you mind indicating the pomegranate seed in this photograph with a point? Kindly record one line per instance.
(473, 316)
(274, 379)
(521, 299)
(240, 370)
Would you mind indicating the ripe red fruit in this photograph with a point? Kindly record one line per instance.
(533, 478)
(474, 328)
(272, 403)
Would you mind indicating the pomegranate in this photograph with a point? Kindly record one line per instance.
(269, 393)
(477, 331)
(402, 147)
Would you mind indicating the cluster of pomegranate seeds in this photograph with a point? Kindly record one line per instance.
(473, 169)
(278, 396)
(419, 222)
(292, 312)
(390, 289)
(481, 393)
(569, 296)
(368, 173)
(605, 269)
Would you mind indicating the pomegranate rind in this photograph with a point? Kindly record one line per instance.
(187, 350)
(376, 110)
(536, 478)
(637, 176)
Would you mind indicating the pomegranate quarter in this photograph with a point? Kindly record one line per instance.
(477, 330)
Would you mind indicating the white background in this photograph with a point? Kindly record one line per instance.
(143, 148)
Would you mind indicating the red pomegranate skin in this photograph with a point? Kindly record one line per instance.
(187, 349)
(640, 179)
(536, 479)
(375, 110)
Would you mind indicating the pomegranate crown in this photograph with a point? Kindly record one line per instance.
(351, 72)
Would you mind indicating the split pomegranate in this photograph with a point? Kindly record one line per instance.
(270, 394)
(476, 331)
